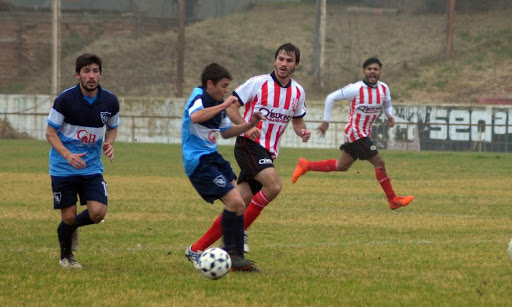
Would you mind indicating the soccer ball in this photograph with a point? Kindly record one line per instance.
(509, 250)
(214, 263)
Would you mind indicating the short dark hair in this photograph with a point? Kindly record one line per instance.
(87, 59)
(371, 61)
(215, 73)
(289, 48)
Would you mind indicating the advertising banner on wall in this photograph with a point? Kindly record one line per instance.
(450, 128)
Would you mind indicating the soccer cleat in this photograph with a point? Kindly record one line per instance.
(242, 265)
(70, 262)
(400, 201)
(75, 240)
(246, 244)
(193, 257)
(300, 169)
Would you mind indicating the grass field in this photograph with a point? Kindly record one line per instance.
(328, 240)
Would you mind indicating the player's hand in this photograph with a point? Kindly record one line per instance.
(305, 134)
(256, 118)
(76, 161)
(322, 128)
(253, 133)
(229, 101)
(391, 121)
(108, 150)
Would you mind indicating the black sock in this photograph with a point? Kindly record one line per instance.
(239, 235)
(65, 233)
(83, 219)
(228, 231)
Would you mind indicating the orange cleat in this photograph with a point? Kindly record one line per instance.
(400, 201)
(301, 168)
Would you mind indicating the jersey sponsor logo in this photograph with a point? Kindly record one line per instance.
(265, 161)
(104, 117)
(275, 116)
(370, 110)
(212, 136)
(220, 181)
(57, 196)
(85, 137)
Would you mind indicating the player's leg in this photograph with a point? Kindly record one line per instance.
(233, 231)
(94, 194)
(65, 233)
(394, 201)
(271, 187)
(65, 199)
(233, 222)
(330, 165)
(211, 168)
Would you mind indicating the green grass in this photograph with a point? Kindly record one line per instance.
(327, 240)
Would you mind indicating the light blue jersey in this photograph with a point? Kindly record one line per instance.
(199, 139)
(80, 126)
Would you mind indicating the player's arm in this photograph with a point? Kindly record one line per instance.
(388, 109)
(238, 129)
(329, 104)
(237, 119)
(73, 159)
(205, 114)
(110, 137)
(299, 126)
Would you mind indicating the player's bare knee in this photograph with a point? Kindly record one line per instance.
(97, 216)
(343, 168)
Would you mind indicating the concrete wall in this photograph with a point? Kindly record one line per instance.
(425, 127)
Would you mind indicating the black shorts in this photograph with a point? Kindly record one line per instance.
(362, 149)
(212, 177)
(66, 189)
(252, 159)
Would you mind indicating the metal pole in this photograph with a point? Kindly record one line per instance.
(56, 60)
(181, 48)
(319, 43)
(449, 30)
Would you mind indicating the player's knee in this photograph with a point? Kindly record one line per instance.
(343, 168)
(97, 216)
(274, 189)
(69, 219)
(236, 205)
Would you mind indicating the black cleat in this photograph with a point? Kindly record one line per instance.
(242, 265)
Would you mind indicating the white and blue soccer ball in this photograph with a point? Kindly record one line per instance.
(214, 263)
(509, 250)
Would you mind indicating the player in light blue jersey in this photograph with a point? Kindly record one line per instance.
(76, 131)
(212, 176)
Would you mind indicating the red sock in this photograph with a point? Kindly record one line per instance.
(258, 202)
(323, 166)
(212, 235)
(385, 182)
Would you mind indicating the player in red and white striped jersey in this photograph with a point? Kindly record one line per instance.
(281, 100)
(367, 98)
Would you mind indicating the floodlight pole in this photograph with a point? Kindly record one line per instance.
(319, 43)
(181, 48)
(449, 28)
(56, 59)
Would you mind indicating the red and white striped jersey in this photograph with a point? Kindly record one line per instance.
(366, 103)
(279, 104)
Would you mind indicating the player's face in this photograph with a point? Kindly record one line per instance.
(285, 65)
(372, 73)
(89, 77)
(219, 90)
